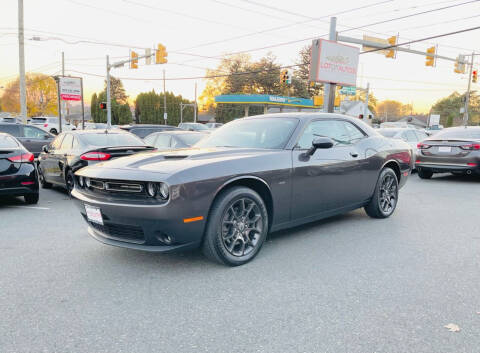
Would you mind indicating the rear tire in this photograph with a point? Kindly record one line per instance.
(237, 227)
(424, 174)
(385, 198)
(31, 199)
(69, 181)
(43, 183)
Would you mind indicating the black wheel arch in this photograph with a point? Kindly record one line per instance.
(395, 166)
(255, 183)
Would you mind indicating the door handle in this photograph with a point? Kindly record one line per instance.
(354, 154)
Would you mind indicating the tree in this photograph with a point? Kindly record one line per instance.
(390, 109)
(149, 108)
(94, 105)
(117, 91)
(449, 109)
(41, 95)
(302, 75)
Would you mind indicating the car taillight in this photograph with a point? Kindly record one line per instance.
(22, 158)
(45, 125)
(423, 146)
(472, 164)
(95, 156)
(473, 146)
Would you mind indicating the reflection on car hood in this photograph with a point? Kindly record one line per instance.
(168, 162)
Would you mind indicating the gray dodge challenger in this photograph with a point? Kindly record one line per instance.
(250, 177)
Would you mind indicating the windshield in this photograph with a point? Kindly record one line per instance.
(111, 140)
(269, 133)
(194, 126)
(191, 139)
(459, 133)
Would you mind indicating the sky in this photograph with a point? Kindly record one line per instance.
(197, 34)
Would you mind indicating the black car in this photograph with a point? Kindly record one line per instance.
(73, 150)
(168, 140)
(31, 137)
(18, 175)
(143, 130)
(252, 176)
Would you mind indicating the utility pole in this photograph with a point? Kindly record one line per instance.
(365, 111)
(329, 90)
(109, 105)
(195, 105)
(21, 58)
(61, 103)
(164, 100)
(467, 95)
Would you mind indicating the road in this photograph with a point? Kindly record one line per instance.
(346, 284)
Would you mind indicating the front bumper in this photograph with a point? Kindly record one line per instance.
(142, 226)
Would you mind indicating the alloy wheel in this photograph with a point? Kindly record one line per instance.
(388, 194)
(242, 226)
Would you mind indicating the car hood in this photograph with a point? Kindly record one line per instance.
(145, 164)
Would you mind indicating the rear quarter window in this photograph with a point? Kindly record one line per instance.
(8, 142)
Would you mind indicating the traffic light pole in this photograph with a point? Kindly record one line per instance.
(109, 67)
(467, 95)
(329, 90)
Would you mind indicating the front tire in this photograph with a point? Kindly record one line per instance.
(236, 228)
(425, 174)
(385, 197)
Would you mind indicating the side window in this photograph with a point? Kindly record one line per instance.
(410, 135)
(163, 141)
(354, 132)
(334, 129)
(150, 139)
(12, 129)
(176, 143)
(55, 145)
(141, 132)
(67, 143)
(33, 132)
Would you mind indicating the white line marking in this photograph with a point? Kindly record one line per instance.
(33, 207)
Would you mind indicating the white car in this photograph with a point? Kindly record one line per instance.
(409, 135)
(50, 124)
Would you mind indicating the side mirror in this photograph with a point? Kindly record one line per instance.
(46, 137)
(320, 142)
(45, 148)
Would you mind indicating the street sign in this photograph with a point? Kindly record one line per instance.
(333, 62)
(348, 90)
(70, 88)
(164, 116)
(434, 120)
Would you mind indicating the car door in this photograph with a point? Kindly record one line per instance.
(34, 139)
(325, 181)
(46, 159)
(60, 159)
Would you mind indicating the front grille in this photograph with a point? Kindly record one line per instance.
(132, 234)
(107, 187)
(123, 187)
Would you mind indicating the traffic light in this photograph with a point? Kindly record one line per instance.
(284, 76)
(460, 64)
(103, 105)
(430, 61)
(391, 51)
(161, 55)
(134, 60)
(474, 76)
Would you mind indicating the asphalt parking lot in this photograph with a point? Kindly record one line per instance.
(346, 284)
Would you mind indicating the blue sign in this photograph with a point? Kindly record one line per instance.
(348, 90)
(262, 99)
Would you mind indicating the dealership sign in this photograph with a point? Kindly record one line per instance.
(332, 62)
(70, 88)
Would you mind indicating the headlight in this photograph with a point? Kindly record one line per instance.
(87, 182)
(151, 189)
(163, 191)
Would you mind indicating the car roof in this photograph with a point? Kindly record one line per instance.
(178, 132)
(97, 131)
(126, 127)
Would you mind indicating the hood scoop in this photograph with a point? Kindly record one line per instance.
(174, 156)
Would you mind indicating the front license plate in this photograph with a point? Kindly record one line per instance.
(444, 149)
(94, 214)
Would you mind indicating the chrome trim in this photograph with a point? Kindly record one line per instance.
(100, 184)
(123, 187)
